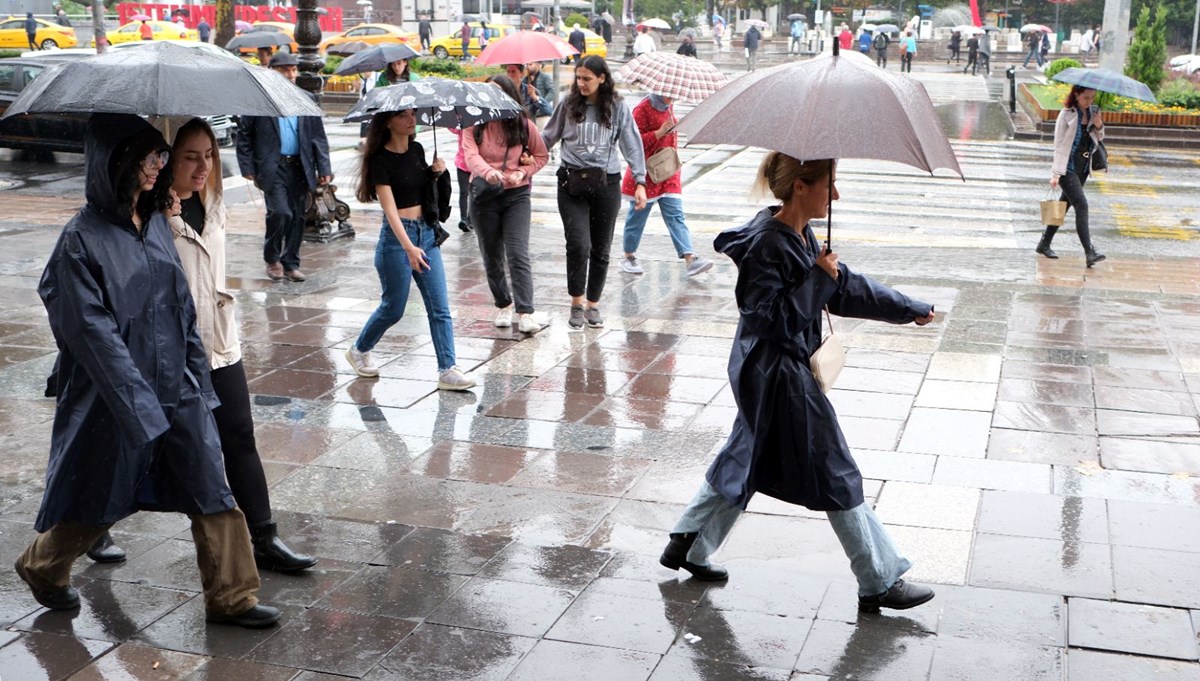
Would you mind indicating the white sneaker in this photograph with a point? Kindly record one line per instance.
(504, 317)
(699, 266)
(454, 379)
(361, 363)
(531, 323)
(630, 265)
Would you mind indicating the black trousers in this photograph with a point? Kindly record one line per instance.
(906, 62)
(464, 195)
(285, 200)
(1072, 192)
(881, 58)
(235, 425)
(588, 224)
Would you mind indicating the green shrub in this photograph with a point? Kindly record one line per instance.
(331, 63)
(444, 68)
(1148, 52)
(576, 18)
(1179, 92)
(1059, 65)
(480, 71)
(9, 54)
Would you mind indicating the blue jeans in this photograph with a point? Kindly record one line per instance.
(874, 559)
(396, 276)
(1034, 53)
(672, 214)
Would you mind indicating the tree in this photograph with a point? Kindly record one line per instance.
(1148, 52)
(224, 20)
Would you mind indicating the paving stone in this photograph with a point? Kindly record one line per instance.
(768, 591)
(937, 555)
(957, 395)
(443, 551)
(939, 506)
(559, 659)
(870, 433)
(868, 649)
(675, 666)
(331, 642)
(993, 474)
(566, 567)
(946, 431)
(1090, 665)
(1152, 457)
(1044, 516)
(185, 629)
(392, 592)
(811, 548)
(1092, 481)
(1046, 448)
(951, 366)
(961, 659)
(503, 607)
(1043, 566)
(613, 621)
(841, 605)
(109, 611)
(136, 661)
(48, 656)
(1156, 526)
(220, 669)
(437, 653)
(1044, 418)
(748, 638)
(870, 404)
(1002, 615)
(1047, 392)
(1141, 578)
(1132, 628)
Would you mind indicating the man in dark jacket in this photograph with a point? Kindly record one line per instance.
(687, 48)
(286, 158)
(133, 426)
(425, 31)
(31, 29)
(881, 47)
(204, 29)
(578, 40)
(751, 40)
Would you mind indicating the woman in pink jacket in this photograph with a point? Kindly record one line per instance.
(502, 156)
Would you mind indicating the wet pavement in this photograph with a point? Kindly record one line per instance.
(1035, 451)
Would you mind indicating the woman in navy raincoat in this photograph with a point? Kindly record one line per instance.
(786, 442)
(133, 427)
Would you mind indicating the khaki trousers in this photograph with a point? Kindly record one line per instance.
(223, 553)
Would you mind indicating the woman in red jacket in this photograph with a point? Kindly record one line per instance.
(654, 116)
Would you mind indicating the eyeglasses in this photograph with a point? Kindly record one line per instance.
(156, 160)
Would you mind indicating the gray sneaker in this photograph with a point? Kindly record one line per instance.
(575, 321)
(699, 266)
(361, 362)
(454, 379)
(630, 265)
(592, 315)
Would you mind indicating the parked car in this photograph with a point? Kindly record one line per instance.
(371, 34)
(451, 45)
(49, 34)
(272, 26)
(162, 30)
(59, 133)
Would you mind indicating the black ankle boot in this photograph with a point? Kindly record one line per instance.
(105, 551)
(675, 558)
(270, 553)
(1044, 245)
(1092, 256)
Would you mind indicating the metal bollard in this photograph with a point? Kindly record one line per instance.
(1011, 74)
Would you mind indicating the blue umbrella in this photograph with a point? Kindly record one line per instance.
(375, 59)
(1106, 80)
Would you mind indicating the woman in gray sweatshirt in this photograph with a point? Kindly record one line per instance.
(593, 122)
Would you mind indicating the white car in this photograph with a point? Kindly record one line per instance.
(1187, 63)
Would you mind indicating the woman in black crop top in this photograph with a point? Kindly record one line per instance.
(395, 173)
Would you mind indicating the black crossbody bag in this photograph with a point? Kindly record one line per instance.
(584, 183)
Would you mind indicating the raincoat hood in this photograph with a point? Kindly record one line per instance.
(737, 241)
(112, 140)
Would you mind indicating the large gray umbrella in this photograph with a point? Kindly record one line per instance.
(829, 107)
(1106, 80)
(165, 80)
(258, 40)
(375, 59)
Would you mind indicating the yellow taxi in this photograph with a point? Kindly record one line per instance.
(163, 30)
(593, 44)
(49, 35)
(283, 27)
(372, 34)
(451, 45)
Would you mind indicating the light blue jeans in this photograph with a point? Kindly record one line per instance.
(396, 277)
(671, 208)
(874, 559)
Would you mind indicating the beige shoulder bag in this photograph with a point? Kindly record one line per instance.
(828, 359)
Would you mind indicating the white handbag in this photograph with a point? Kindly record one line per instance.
(828, 359)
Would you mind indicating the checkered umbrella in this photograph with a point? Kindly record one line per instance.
(1106, 80)
(667, 74)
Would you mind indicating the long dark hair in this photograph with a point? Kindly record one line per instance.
(404, 77)
(606, 95)
(1073, 96)
(516, 130)
(127, 181)
(378, 135)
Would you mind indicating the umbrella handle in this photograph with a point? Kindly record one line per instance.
(829, 206)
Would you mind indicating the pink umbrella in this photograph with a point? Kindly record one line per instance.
(141, 17)
(242, 25)
(523, 47)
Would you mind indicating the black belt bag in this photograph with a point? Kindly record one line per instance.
(584, 183)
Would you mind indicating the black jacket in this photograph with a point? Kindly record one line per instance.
(258, 149)
(687, 49)
(751, 38)
(133, 427)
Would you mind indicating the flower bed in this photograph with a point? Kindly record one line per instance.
(1043, 102)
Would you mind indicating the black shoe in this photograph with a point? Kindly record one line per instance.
(258, 617)
(66, 598)
(270, 553)
(675, 558)
(1093, 257)
(901, 596)
(465, 226)
(1043, 247)
(105, 551)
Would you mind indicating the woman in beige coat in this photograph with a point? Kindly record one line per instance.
(1077, 135)
(199, 231)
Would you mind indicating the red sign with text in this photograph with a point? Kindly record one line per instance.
(330, 22)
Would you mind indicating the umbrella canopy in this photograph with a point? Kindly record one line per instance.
(1031, 28)
(523, 47)
(991, 29)
(759, 23)
(439, 102)
(375, 58)
(672, 75)
(352, 47)
(166, 80)
(258, 39)
(813, 110)
(240, 25)
(660, 24)
(793, 17)
(887, 28)
(141, 17)
(1106, 80)
(968, 30)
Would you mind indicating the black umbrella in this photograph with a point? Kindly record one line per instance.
(349, 48)
(258, 39)
(439, 102)
(166, 80)
(375, 59)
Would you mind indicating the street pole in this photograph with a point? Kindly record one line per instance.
(1195, 26)
(1114, 42)
(308, 37)
(554, 71)
(101, 38)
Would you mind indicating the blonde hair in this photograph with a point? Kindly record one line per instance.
(778, 174)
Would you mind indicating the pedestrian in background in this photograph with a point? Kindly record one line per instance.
(797, 35)
(956, 48)
(654, 116)
(464, 35)
(592, 122)
(864, 41)
(985, 53)
(146, 31)
(506, 154)
(881, 49)
(285, 158)
(1044, 50)
(786, 441)
(204, 29)
(133, 426)
(751, 40)
(60, 14)
(718, 31)
(1087, 43)
(484, 34)
(908, 45)
(687, 47)
(425, 32)
(1035, 49)
(845, 38)
(394, 172)
(31, 29)
(1077, 133)
(972, 55)
(578, 40)
(644, 43)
